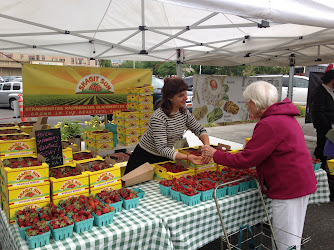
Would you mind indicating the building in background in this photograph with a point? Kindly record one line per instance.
(13, 67)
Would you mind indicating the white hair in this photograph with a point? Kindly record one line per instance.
(262, 93)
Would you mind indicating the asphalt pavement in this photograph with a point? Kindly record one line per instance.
(319, 224)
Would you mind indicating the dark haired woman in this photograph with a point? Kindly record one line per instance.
(167, 125)
(322, 110)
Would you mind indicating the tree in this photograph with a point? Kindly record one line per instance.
(105, 63)
(167, 69)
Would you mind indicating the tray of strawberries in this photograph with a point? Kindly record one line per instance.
(112, 198)
(64, 172)
(14, 137)
(38, 235)
(25, 218)
(61, 228)
(129, 197)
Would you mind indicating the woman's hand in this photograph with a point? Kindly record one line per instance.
(208, 151)
(196, 160)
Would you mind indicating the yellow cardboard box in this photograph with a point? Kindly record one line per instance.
(10, 210)
(145, 107)
(111, 186)
(26, 193)
(122, 166)
(69, 185)
(144, 123)
(127, 124)
(100, 136)
(67, 155)
(132, 99)
(16, 148)
(9, 125)
(92, 152)
(24, 176)
(206, 168)
(330, 164)
(132, 90)
(132, 106)
(129, 132)
(145, 99)
(55, 198)
(160, 173)
(101, 177)
(99, 146)
(145, 115)
(129, 141)
(146, 90)
(9, 131)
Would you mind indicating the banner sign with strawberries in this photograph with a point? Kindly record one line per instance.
(219, 98)
(48, 144)
(50, 90)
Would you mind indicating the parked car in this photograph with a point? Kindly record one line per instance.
(7, 89)
(300, 88)
(157, 86)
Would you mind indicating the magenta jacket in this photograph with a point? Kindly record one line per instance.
(278, 150)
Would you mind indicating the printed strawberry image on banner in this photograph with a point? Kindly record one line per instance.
(94, 84)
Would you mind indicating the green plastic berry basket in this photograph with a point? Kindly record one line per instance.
(22, 231)
(141, 193)
(104, 219)
(232, 190)
(38, 240)
(191, 200)
(175, 195)
(84, 225)
(132, 203)
(116, 205)
(244, 186)
(221, 192)
(252, 184)
(164, 190)
(206, 195)
(62, 233)
(316, 166)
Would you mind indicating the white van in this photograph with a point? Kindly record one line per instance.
(300, 89)
(8, 91)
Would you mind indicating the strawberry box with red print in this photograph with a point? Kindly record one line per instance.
(99, 136)
(18, 195)
(24, 170)
(197, 151)
(170, 170)
(14, 145)
(67, 180)
(101, 172)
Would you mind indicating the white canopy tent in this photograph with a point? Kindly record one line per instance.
(256, 32)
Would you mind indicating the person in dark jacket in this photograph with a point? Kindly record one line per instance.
(283, 163)
(322, 110)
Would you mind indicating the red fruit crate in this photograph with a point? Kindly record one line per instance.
(62, 233)
(84, 225)
(132, 203)
(104, 219)
(191, 200)
(39, 240)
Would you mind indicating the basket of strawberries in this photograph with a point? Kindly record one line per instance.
(25, 218)
(190, 196)
(83, 221)
(50, 212)
(205, 187)
(316, 164)
(38, 235)
(129, 197)
(165, 186)
(103, 214)
(112, 198)
(61, 228)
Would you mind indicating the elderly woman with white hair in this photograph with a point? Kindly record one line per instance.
(283, 162)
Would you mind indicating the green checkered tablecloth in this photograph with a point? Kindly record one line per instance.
(131, 229)
(194, 227)
(162, 223)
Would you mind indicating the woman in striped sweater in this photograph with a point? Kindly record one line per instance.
(167, 125)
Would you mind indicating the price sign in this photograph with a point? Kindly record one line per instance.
(48, 144)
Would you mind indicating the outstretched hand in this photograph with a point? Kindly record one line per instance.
(208, 151)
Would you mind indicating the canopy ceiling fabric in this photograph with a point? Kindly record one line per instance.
(219, 33)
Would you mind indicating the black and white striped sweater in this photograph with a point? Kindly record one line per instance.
(164, 131)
